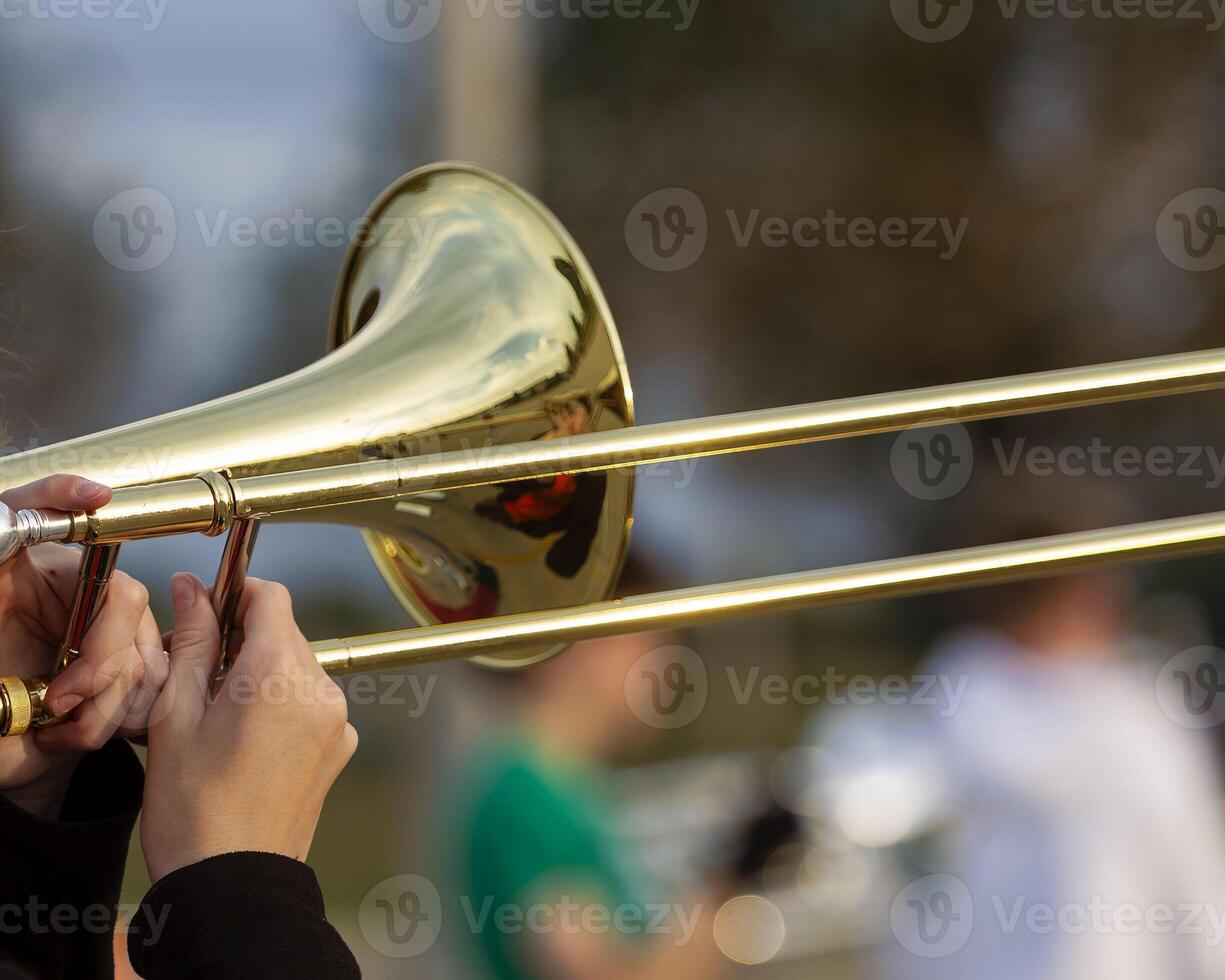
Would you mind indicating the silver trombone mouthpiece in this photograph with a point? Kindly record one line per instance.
(20, 529)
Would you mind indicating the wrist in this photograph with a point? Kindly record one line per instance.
(181, 852)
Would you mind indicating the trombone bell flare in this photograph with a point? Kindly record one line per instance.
(465, 318)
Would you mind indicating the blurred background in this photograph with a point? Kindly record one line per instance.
(785, 201)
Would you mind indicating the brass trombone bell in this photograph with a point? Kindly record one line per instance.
(465, 317)
(475, 419)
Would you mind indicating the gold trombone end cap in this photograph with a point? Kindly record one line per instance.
(17, 705)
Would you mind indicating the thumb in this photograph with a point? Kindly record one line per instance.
(195, 650)
(59, 492)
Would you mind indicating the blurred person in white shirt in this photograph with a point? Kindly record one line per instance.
(1081, 819)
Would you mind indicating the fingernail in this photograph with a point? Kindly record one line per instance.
(90, 490)
(182, 591)
(63, 705)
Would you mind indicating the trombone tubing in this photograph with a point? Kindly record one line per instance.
(211, 502)
(968, 401)
(915, 575)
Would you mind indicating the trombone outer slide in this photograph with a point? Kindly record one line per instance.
(210, 502)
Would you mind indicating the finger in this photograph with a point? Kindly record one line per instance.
(195, 650)
(60, 492)
(98, 720)
(269, 632)
(156, 666)
(105, 647)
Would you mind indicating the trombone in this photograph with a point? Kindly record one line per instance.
(475, 419)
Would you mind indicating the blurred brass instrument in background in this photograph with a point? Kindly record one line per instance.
(475, 419)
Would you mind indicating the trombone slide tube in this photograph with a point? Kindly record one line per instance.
(915, 575)
(968, 401)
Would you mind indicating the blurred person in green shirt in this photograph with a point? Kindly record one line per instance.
(539, 885)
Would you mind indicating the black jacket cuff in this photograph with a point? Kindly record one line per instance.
(61, 880)
(246, 914)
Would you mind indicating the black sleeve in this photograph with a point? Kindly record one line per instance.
(248, 914)
(60, 879)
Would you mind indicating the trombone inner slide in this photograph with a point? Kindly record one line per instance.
(892, 578)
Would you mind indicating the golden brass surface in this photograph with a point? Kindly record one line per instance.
(98, 562)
